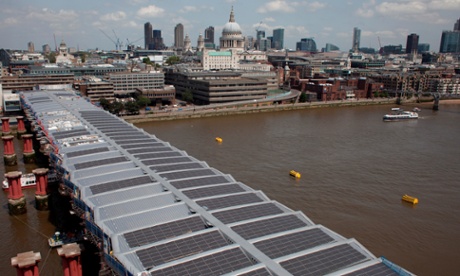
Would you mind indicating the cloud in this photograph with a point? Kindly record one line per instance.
(444, 4)
(366, 13)
(277, 6)
(150, 11)
(47, 15)
(9, 21)
(397, 9)
(115, 16)
(316, 6)
(269, 19)
(186, 9)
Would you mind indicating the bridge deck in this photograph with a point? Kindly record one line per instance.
(159, 210)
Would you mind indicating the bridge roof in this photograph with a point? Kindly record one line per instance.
(168, 213)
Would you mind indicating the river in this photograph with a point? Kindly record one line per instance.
(355, 169)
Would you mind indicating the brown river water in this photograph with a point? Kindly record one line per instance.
(355, 169)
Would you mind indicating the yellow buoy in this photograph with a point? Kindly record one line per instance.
(410, 199)
(294, 174)
(218, 139)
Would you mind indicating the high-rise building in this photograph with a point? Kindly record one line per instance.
(412, 44)
(179, 36)
(423, 47)
(46, 49)
(278, 39)
(356, 39)
(209, 35)
(457, 25)
(30, 47)
(331, 47)
(450, 42)
(157, 40)
(259, 36)
(306, 44)
(147, 35)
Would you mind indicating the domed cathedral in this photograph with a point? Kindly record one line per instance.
(232, 37)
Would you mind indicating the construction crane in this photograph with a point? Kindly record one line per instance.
(380, 46)
(117, 43)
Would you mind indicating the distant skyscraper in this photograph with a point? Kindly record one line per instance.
(306, 44)
(356, 39)
(147, 35)
(157, 40)
(278, 39)
(46, 49)
(450, 42)
(179, 36)
(457, 25)
(31, 47)
(331, 47)
(259, 36)
(412, 44)
(209, 35)
(423, 47)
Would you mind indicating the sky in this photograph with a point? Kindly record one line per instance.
(91, 24)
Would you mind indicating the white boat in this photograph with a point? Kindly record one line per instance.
(28, 181)
(398, 114)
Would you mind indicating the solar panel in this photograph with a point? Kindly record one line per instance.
(71, 133)
(131, 132)
(176, 167)
(174, 250)
(120, 184)
(187, 174)
(126, 137)
(189, 183)
(110, 129)
(258, 272)
(164, 231)
(292, 243)
(95, 163)
(379, 269)
(324, 261)
(214, 190)
(136, 142)
(141, 144)
(157, 155)
(152, 149)
(248, 212)
(173, 160)
(216, 264)
(228, 201)
(86, 152)
(269, 226)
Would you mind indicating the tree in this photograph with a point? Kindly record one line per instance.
(147, 60)
(143, 101)
(172, 60)
(303, 97)
(131, 108)
(105, 104)
(116, 108)
(187, 96)
(51, 57)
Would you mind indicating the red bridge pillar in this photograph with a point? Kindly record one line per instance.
(16, 199)
(70, 255)
(26, 263)
(21, 126)
(6, 126)
(41, 194)
(29, 153)
(8, 151)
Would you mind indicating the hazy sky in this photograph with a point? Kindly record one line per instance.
(79, 23)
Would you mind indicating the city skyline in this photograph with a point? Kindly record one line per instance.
(80, 25)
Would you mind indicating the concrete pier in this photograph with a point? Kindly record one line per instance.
(6, 130)
(16, 199)
(9, 157)
(70, 255)
(26, 263)
(29, 153)
(41, 194)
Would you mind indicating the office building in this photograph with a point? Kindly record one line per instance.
(179, 36)
(412, 44)
(259, 36)
(148, 35)
(157, 41)
(30, 47)
(356, 39)
(331, 47)
(278, 39)
(95, 89)
(209, 37)
(450, 42)
(46, 49)
(423, 47)
(457, 25)
(306, 44)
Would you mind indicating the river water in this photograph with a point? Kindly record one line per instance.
(355, 169)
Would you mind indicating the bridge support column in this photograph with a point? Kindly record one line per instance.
(70, 255)
(26, 263)
(21, 126)
(16, 199)
(41, 194)
(6, 126)
(9, 157)
(29, 153)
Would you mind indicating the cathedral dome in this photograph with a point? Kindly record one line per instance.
(231, 28)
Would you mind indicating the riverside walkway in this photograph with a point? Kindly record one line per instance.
(155, 210)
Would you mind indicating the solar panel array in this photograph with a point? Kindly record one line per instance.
(166, 213)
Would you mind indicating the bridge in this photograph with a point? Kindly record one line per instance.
(158, 211)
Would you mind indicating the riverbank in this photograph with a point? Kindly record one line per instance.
(213, 111)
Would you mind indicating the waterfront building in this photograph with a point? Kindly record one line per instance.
(278, 39)
(446, 86)
(209, 37)
(160, 96)
(98, 70)
(356, 40)
(26, 82)
(127, 83)
(95, 88)
(450, 42)
(148, 35)
(412, 44)
(306, 44)
(179, 36)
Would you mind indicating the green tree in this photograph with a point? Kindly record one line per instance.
(105, 104)
(131, 108)
(147, 60)
(173, 60)
(116, 107)
(51, 57)
(187, 96)
(303, 97)
(143, 101)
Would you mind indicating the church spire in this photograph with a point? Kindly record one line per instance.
(232, 16)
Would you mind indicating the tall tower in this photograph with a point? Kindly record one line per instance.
(148, 35)
(179, 36)
(200, 43)
(457, 25)
(30, 47)
(157, 40)
(412, 44)
(278, 39)
(187, 43)
(209, 37)
(356, 39)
